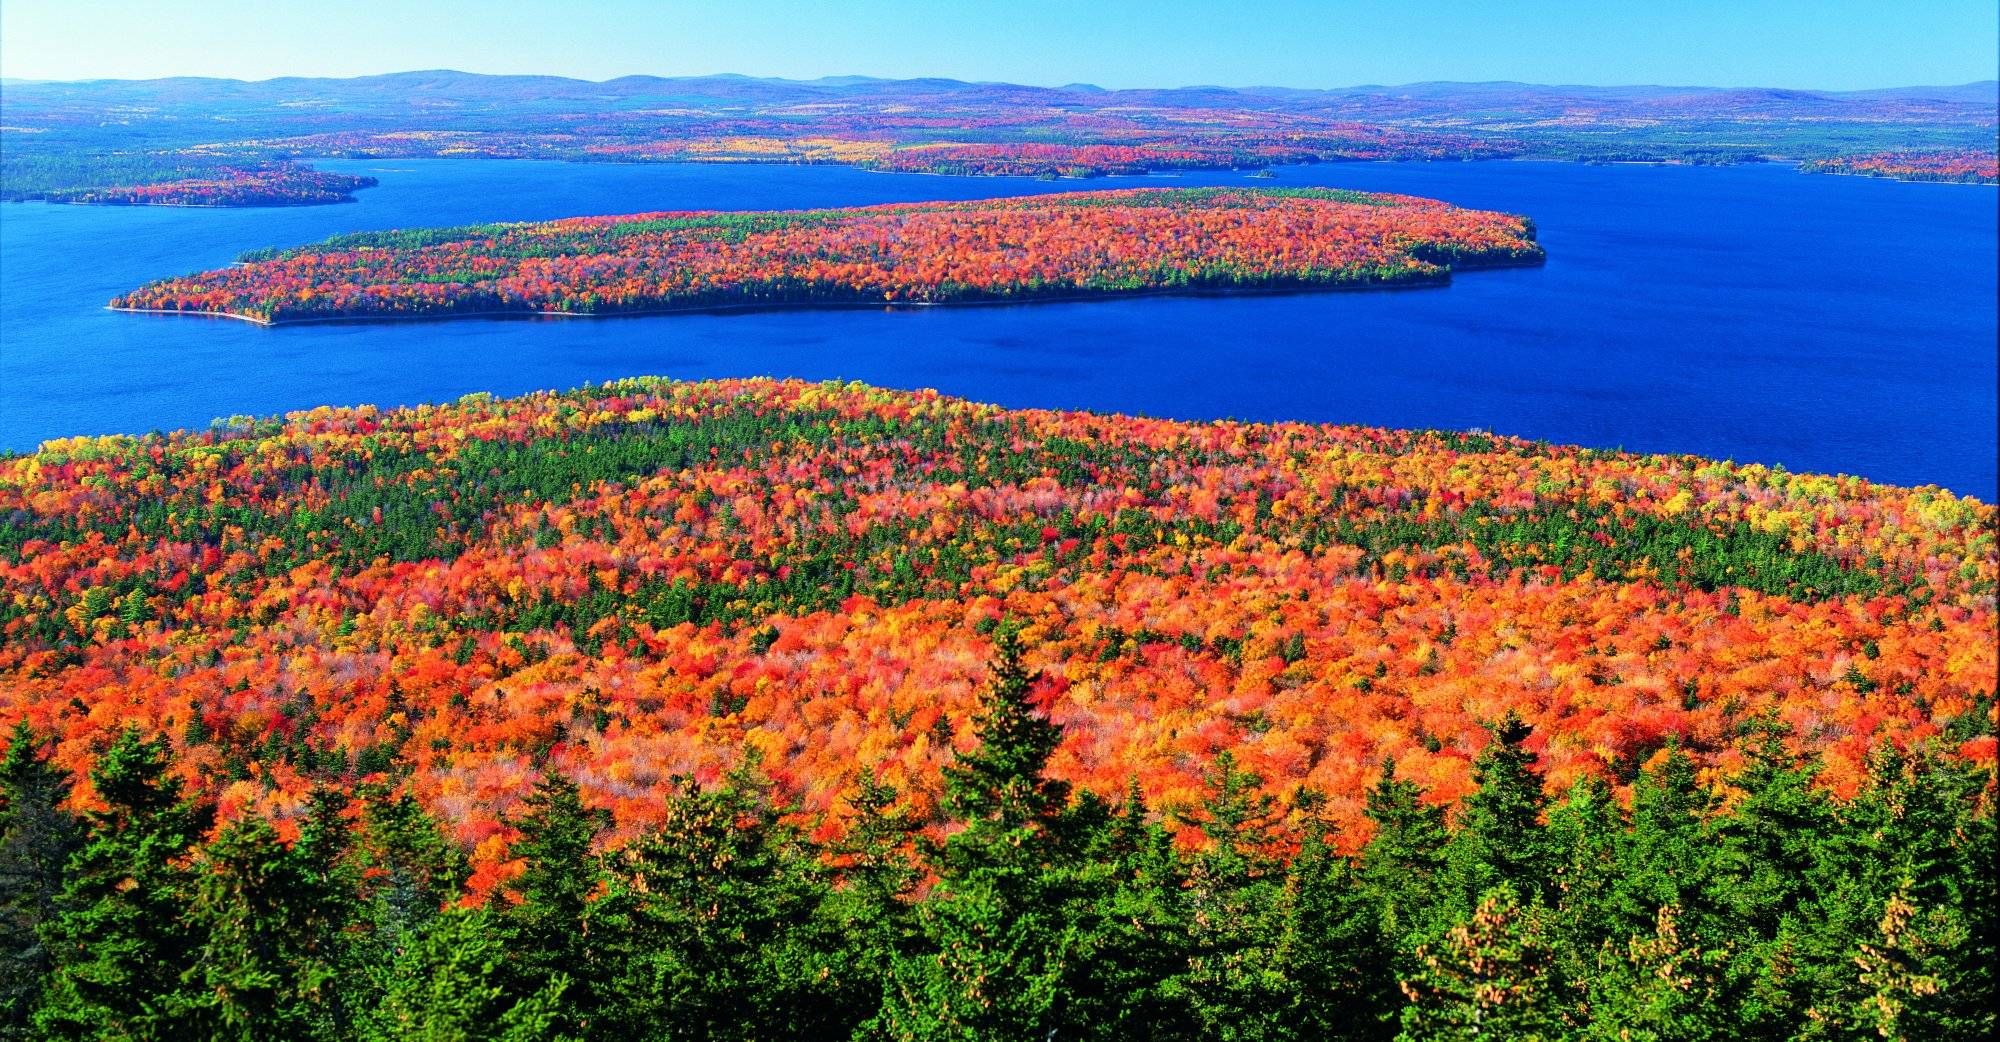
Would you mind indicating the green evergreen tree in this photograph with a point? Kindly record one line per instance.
(1662, 856)
(410, 870)
(1501, 839)
(1136, 957)
(1662, 987)
(1402, 866)
(122, 939)
(37, 838)
(1235, 887)
(272, 918)
(1905, 969)
(1762, 855)
(1337, 967)
(1583, 833)
(709, 916)
(545, 926)
(1492, 976)
(1000, 949)
(872, 909)
(445, 985)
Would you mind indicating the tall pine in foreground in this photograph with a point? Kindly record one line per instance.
(552, 951)
(37, 837)
(122, 939)
(1501, 839)
(706, 926)
(1337, 967)
(873, 906)
(1000, 950)
(272, 917)
(1236, 889)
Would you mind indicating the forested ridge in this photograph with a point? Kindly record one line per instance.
(760, 709)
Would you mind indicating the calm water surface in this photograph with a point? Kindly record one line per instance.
(1822, 323)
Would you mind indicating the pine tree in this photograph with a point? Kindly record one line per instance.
(121, 940)
(1492, 976)
(1403, 864)
(545, 926)
(1500, 839)
(410, 870)
(709, 916)
(1762, 854)
(872, 909)
(1137, 954)
(271, 918)
(445, 985)
(1336, 965)
(1898, 908)
(1235, 886)
(1662, 855)
(1904, 969)
(1658, 988)
(1000, 948)
(37, 837)
(1583, 833)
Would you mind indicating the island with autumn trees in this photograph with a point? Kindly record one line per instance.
(176, 180)
(1961, 166)
(1081, 244)
(753, 709)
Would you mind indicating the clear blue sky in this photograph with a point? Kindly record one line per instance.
(1825, 44)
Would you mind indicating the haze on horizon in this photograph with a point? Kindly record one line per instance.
(1833, 45)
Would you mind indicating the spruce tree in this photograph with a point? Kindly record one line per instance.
(1657, 987)
(1402, 866)
(1583, 833)
(1236, 883)
(708, 916)
(37, 837)
(1000, 949)
(410, 870)
(122, 940)
(1662, 856)
(1762, 855)
(272, 917)
(1336, 966)
(1500, 839)
(1905, 969)
(545, 925)
(1492, 976)
(1137, 955)
(872, 908)
(446, 985)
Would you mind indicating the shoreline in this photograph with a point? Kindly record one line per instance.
(1900, 180)
(852, 305)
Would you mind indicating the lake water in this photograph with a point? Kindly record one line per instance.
(1752, 313)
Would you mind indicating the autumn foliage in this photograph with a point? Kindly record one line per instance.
(646, 579)
(1076, 244)
(1961, 165)
(253, 184)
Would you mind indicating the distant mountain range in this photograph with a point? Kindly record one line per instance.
(423, 89)
(70, 137)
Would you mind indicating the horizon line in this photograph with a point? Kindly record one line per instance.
(1075, 85)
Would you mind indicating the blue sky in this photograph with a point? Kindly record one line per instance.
(1824, 44)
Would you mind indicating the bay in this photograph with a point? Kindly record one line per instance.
(1825, 324)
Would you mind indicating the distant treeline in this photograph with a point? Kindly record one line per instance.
(168, 179)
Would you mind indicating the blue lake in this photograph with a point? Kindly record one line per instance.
(1822, 323)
